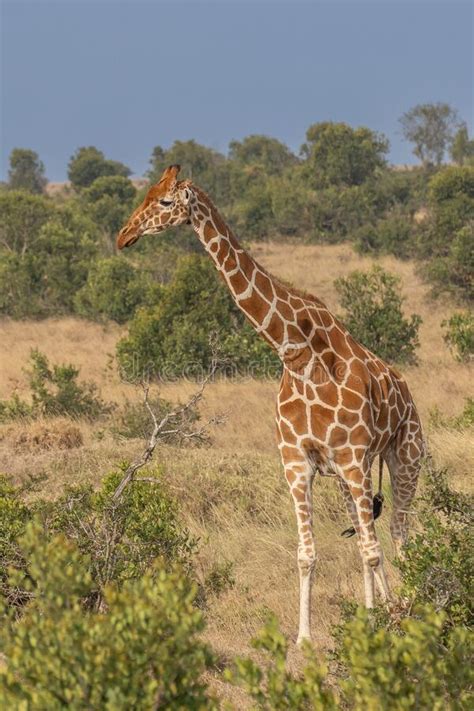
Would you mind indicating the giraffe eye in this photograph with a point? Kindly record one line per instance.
(166, 203)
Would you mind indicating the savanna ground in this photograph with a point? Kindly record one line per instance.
(232, 494)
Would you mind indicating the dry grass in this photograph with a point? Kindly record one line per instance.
(233, 495)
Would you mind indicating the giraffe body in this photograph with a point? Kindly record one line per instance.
(338, 407)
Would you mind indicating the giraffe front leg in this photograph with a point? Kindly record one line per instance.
(299, 475)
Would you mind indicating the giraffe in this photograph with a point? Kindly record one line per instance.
(338, 406)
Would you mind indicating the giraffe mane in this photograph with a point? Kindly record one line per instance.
(293, 291)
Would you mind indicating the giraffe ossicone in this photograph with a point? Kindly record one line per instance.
(338, 407)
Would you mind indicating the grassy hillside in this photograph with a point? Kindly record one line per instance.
(232, 494)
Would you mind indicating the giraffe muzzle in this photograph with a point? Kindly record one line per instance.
(126, 240)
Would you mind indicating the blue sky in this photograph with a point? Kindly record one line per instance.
(127, 75)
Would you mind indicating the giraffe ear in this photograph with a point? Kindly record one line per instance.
(185, 195)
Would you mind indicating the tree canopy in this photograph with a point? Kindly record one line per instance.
(26, 171)
(430, 127)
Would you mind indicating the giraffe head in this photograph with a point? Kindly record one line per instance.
(166, 205)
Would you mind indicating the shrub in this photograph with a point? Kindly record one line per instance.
(338, 211)
(143, 653)
(23, 215)
(438, 563)
(172, 340)
(114, 290)
(121, 537)
(460, 335)
(373, 314)
(417, 667)
(55, 391)
(391, 235)
(14, 515)
(50, 264)
(272, 686)
(453, 272)
(421, 668)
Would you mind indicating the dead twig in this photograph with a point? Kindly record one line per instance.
(162, 429)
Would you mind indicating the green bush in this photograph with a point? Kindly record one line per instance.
(51, 257)
(54, 391)
(416, 667)
(14, 515)
(114, 290)
(122, 538)
(439, 559)
(390, 235)
(172, 339)
(143, 652)
(373, 314)
(460, 335)
(453, 272)
(337, 212)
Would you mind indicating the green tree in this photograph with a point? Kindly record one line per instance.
(205, 166)
(337, 154)
(373, 314)
(430, 127)
(26, 171)
(268, 153)
(109, 202)
(172, 339)
(88, 163)
(114, 290)
(447, 239)
(21, 219)
(462, 148)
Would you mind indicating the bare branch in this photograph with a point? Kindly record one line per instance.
(160, 430)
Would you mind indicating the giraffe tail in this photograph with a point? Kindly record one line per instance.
(377, 502)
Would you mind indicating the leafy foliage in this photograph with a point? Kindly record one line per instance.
(373, 314)
(437, 568)
(462, 148)
(172, 339)
(416, 667)
(88, 163)
(121, 537)
(114, 290)
(55, 390)
(109, 201)
(26, 171)
(460, 335)
(430, 127)
(142, 653)
(340, 155)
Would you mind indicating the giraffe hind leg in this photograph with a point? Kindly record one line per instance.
(404, 473)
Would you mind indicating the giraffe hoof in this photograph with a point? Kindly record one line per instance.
(301, 641)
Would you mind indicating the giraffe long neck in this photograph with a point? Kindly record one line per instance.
(266, 303)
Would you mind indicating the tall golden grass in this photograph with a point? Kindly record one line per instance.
(232, 495)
